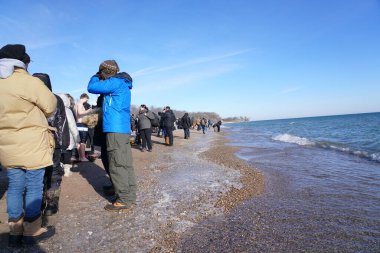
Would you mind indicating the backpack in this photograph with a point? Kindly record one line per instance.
(156, 121)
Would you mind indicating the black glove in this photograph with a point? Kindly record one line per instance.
(98, 75)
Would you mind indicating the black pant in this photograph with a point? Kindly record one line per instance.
(54, 173)
(169, 133)
(91, 133)
(146, 136)
(103, 152)
(66, 156)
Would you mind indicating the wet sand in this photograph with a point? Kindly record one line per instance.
(178, 188)
(252, 179)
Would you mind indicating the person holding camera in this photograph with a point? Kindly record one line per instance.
(116, 88)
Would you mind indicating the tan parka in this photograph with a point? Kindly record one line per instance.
(26, 140)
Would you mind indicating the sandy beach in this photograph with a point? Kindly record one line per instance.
(178, 188)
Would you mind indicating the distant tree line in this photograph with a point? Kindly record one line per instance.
(214, 117)
(236, 119)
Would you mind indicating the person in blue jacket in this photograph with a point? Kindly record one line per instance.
(116, 88)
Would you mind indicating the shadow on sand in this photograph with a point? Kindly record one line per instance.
(22, 249)
(95, 175)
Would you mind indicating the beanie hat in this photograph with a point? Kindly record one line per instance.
(44, 78)
(16, 51)
(108, 68)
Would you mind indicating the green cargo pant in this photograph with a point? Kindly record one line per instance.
(121, 167)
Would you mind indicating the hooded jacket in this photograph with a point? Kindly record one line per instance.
(26, 140)
(116, 103)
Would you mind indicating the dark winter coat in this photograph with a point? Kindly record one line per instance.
(99, 136)
(58, 120)
(160, 114)
(186, 121)
(168, 119)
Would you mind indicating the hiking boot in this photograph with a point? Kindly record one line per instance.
(117, 207)
(35, 233)
(16, 231)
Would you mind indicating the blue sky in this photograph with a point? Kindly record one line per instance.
(262, 59)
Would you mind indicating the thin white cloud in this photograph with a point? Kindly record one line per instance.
(79, 47)
(206, 59)
(183, 80)
(290, 90)
(12, 24)
(43, 10)
(48, 42)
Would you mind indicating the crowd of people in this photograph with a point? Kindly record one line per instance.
(42, 134)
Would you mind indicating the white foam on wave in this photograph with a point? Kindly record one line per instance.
(293, 139)
(375, 157)
(306, 142)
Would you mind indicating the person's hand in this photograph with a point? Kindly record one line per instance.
(100, 76)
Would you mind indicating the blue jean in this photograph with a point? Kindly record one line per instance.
(29, 182)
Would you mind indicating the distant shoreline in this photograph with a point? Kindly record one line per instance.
(317, 116)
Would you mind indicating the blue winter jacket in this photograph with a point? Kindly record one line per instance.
(116, 104)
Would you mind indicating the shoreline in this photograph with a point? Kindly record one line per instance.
(172, 197)
(251, 185)
(252, 179)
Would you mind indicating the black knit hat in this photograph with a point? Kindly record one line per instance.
(44, 78)
(16, 51)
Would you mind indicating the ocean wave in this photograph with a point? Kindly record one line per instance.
(375, 157)
(293, 139)
(288, 138)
